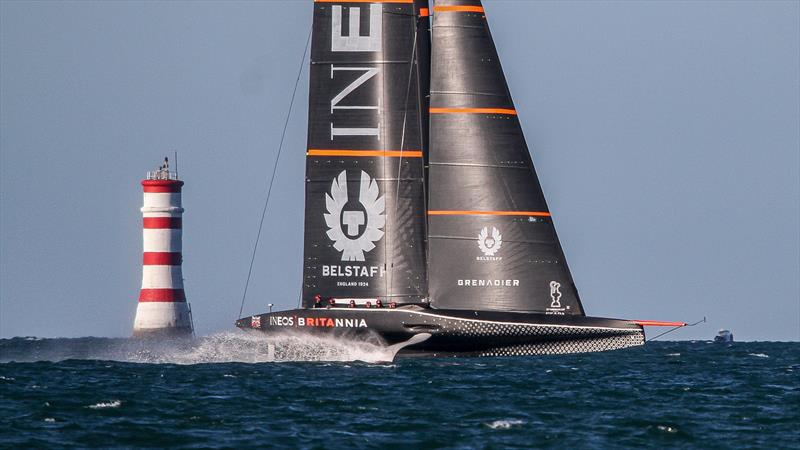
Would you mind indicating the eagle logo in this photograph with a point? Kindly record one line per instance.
(489, 245)
(354, 226)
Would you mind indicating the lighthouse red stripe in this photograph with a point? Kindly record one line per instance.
(162, 258)
(162, 189)
(162, 295)
(162, 185)
(163, 222)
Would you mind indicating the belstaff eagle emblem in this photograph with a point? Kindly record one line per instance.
(489, 245)
(354, 226)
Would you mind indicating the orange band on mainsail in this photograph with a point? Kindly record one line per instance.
(424, 12)
(488, 213)
(379, 153)
(658, 323)
(363, 1)
(512, 112)
(458, 9)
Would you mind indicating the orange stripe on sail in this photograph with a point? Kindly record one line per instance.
(379, 153)
(512, 112)
(424, 12)
(478, 9)
(363, 1)
(488, 213)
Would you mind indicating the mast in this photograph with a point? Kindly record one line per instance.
(492, 242)
(365, 210)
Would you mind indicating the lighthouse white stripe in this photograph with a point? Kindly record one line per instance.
(159, 213)
(162, 239)
(162, 277)
(162, 199)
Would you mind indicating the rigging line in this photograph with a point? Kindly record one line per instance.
(673, 329)
(274, 171)
(402, 143)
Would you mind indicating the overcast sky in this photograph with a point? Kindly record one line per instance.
(666, 136)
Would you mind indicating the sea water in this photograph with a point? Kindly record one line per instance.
(235, 390)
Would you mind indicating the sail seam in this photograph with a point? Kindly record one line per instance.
(322, 180)
(366, 153)
(488, 94)
(459, 26)
(494, 166)
(366, 61)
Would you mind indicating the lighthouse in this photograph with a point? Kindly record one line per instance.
(163, 310)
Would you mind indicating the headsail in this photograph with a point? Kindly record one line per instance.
(364, 224)
(492, 242)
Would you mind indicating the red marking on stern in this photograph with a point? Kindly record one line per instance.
(658, 323)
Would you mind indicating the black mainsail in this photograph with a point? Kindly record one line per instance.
(365, 202)
(491, 237)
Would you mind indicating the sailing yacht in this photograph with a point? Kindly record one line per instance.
(422, 198)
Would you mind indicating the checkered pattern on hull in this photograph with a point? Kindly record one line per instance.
(544, 339)
(599, 344)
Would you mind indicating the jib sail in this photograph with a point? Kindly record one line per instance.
(364, 222)
(492, 243)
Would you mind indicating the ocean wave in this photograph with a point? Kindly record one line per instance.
(420, 402)
(226, 347)
(106, 405)
(505, 424)
(759, 355)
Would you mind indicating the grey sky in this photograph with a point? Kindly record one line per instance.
(666, 136)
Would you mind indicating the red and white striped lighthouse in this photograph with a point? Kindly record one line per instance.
(162, 310)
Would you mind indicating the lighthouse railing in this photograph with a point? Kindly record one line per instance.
(162, 175)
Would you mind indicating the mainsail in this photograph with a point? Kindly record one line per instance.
(365, 201)
(492, 244)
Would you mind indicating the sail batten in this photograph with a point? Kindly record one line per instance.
(492, 243)
(508, 111)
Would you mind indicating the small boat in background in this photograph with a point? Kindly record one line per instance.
(724, 336)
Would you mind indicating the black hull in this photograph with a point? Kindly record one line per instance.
(458, 332)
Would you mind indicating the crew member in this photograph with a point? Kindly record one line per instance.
(352, 303)
(393, 305)
(368, 305)
(317, 301)
(331, 303)
(378, 303)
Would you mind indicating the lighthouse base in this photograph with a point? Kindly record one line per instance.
(163, 319)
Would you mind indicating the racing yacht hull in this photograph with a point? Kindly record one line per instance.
(457, 332)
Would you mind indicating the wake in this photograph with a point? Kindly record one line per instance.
(226, 347)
